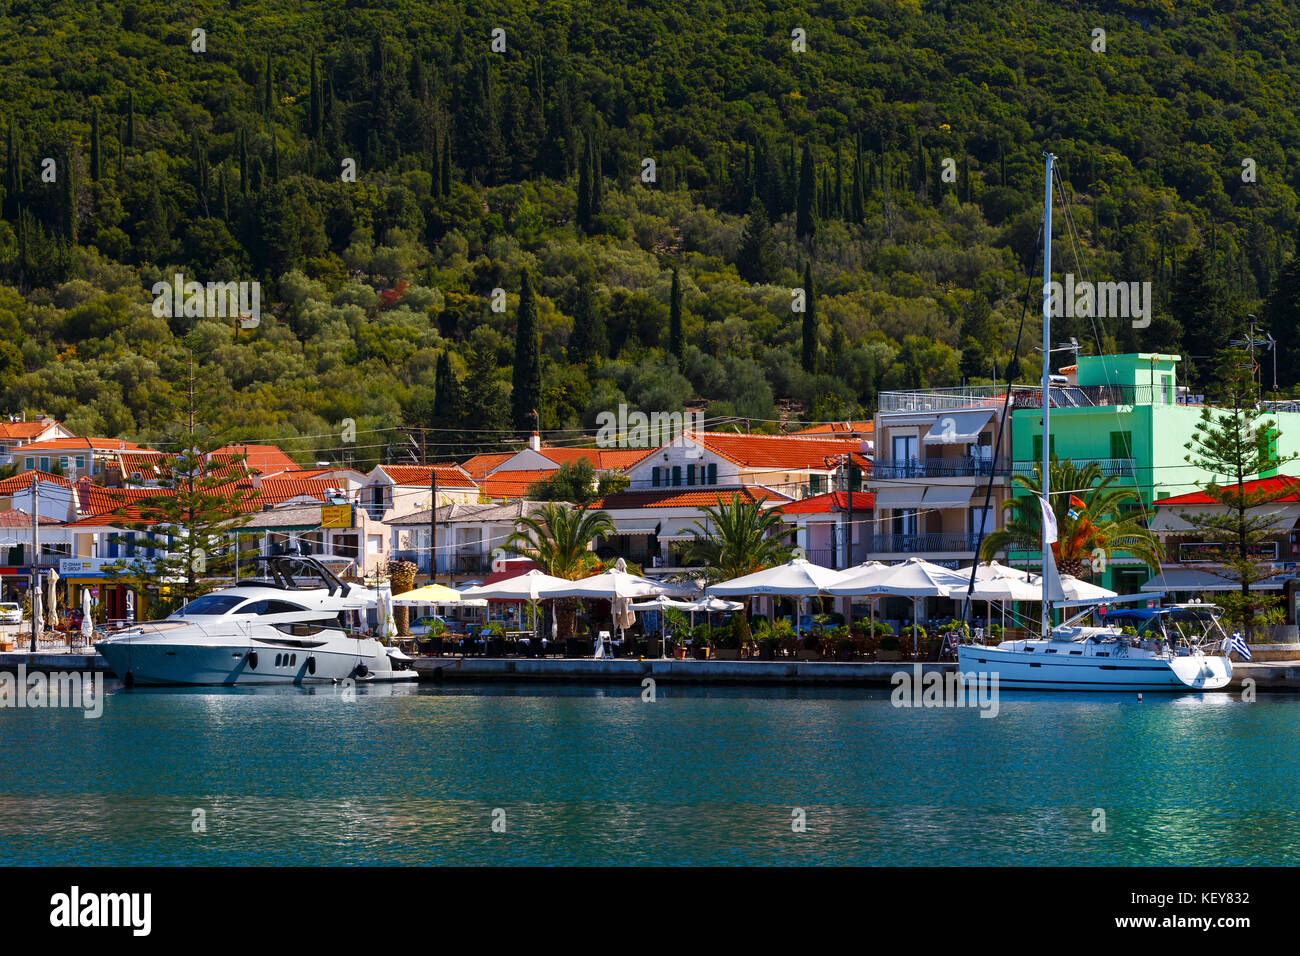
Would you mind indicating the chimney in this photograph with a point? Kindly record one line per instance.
(535, 443)
(83, 493)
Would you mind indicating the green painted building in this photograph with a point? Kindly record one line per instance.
(1127, 414)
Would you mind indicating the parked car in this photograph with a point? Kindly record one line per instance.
(420, 626)
(73, 618)
(10, 613)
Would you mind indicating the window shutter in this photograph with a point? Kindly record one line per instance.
(677, 475)
(713, 473)
(690, 474)
(654, 477)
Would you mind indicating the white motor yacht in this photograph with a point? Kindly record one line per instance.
(288, 626)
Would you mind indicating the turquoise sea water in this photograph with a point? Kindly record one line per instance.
(584, 775)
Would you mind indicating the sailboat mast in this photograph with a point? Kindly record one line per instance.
(1047, 372)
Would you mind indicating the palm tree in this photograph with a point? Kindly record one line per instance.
(401, 577)
(735, 539)
(558, 540)
(1090, 519)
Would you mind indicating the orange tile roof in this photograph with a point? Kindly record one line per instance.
(685, 497)
(274, 491)
(512, 484)
(831, 428)
(17, 518)
(268, 459)
(1279, 489)
(778, 452)
(830, 501)
(9, 431)
(449, 476)
(89, 444)
(23, 481)
(602, 459)
(480, 466)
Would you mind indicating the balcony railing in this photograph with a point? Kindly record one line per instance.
(1110, 467)
(448, 562)
(916, 543)
(966, 466)
(1030, 396)
(940, 399)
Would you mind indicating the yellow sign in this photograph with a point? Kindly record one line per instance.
(336, 516)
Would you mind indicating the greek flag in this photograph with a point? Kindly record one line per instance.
(1238, 643)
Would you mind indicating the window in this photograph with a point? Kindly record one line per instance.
(904, 447)
(30, 463)
(210, 604)
(978, 517)
(81, 462)
(1121, 444)
(271, 606)
(815, 484)
(677, 475)
(713, 474)
(905, 522)
(45, 463)
(1038, 447)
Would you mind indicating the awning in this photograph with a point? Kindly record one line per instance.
(958, 428)
(908, 496)
(1192, 579)
(1168, 519)
(947, 496)
(618, 531)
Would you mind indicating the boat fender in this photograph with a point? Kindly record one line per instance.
(252, 660)
(362, 670)
(311, 664)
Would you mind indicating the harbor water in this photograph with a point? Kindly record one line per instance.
(580, 774)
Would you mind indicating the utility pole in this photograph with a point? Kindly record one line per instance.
(34, 577)
(433, 523)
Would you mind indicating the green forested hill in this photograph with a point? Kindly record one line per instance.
(477, 168)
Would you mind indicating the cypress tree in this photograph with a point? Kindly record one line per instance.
(809, 357)
(526, 396)
(448, 405)
(130, 119)
(96, 169)
(839, 181)
(243, 162)
(268, 98)
(275, 159)
(965, 179)
(11, 174)
(435, 169)
(317, 106)
(827, 197)
(805, 221)
(225, 197)
(676, 344)
(69, 200)
(756, 260)
(597, 178)
(589, 342)
(446, 163)
(584, 190)
(858, 197)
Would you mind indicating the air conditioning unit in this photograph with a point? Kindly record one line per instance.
(137, 476)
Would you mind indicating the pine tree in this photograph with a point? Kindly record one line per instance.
(676, 344)
(526, 396)
(805, 214)
(756, 260)
(809, 356)
(1234, 439)
(96, 169)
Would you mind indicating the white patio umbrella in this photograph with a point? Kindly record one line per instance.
(707, 604)
(796, 578)
(54, 598)
(385, 625)
(38, 615)
(613, 585)
(130, 606)
(1077, 590)
(861, 573)
(87, 619)
(522, 587)
(914, 578)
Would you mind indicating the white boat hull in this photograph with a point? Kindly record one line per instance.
(144, 658)
(1034, 670)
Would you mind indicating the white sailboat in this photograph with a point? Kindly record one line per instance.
(1071, 657)
(287, 627)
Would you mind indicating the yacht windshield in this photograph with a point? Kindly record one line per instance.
(210, 604)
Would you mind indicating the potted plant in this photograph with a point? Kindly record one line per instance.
(700, 639)
(913, 640)
(726, 642)
(888, 649)
(812, 647)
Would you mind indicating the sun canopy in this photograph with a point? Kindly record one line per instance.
(523, 587)
(958, 428)
(614, 584)
(709, 604)
(913, 578)
(910, 496)
(1076, 590)
(947, 496)
(1193, 579)
(796, 577)
(430, 594)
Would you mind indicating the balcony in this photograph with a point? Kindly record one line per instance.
(1030, 396)
(963, 467)
(917, 543)
(1110, 467)
(463, 562)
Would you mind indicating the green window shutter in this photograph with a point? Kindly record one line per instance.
(1121, 444)
(677, 476)
(654, 477)
(713, 474)
(690, 474)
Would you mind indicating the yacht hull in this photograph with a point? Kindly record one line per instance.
(243, 662)
(1018, 669)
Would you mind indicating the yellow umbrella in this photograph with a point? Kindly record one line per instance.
(429, 594)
